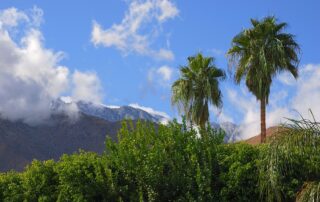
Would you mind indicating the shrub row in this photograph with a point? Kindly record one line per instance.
(147, 163)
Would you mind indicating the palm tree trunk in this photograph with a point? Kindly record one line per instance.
(263, 120)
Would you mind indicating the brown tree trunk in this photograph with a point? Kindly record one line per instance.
(263, 120)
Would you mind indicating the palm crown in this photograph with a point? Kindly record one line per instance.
(197, 88)
(258, 54)
(261, 52)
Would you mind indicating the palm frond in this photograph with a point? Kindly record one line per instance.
(197, 87)
(298, 140)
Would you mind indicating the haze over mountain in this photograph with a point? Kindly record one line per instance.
(87, 129)
(64, 132)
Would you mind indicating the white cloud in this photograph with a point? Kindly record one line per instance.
(165, 72)
(11, 17)
(87, 87)
(167, 10)
(30, 75)
(161, 76)
(163, 54)
(166, 117)
(131, 35)
(286, 78)
(308, 92)
(219, 115)
(306, 95)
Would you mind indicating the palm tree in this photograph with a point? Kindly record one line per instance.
(197, 88)
(258, 54)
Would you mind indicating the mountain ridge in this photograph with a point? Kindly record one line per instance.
(20, 142)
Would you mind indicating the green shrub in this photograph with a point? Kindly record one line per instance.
(11, 189)
(291, 160)
(40, 181)
(238, 172)
(167, 163)
(171, 163)
(84, 177)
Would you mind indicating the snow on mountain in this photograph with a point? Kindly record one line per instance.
(232, 131)
(133, 111)
(163, 117)
(111, 113)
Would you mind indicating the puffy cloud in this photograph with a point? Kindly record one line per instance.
(286, 79)
(87, 87)
(30, 75)
(163, 54)
(305, 97)
(167, 10)
(308, 92)
(219, 115)
(165, 72)
(131, 34)
(162, 76)
(11, 17)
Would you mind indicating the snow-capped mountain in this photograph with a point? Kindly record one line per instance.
(133, 112)
(232, 131)
(110, 113)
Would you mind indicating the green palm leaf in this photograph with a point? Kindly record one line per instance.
(258, 54)
(197, 88)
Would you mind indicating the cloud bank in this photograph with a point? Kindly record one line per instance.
(131, 35)
(30, 74)
(305, 96)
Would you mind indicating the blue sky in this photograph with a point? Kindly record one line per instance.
(141, 65)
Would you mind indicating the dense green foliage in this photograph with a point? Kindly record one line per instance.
(163, 164)
(291, 163)
(238, 172)
(78, 177)
(175, 163)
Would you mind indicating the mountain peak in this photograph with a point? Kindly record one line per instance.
(110, 112)
(232, 130)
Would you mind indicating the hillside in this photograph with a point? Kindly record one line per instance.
(20, 143)
(270, 132)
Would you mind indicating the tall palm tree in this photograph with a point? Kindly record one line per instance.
(197, 88)
(259, 54)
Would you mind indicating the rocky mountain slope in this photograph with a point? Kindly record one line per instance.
(20, 143)
(109, 113)
(232, 131)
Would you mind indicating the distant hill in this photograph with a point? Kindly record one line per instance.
(232, 131)
(110, 113)
(20, 143)
(270, 132)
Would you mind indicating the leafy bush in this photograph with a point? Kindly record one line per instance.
(291, 162)
(40, 181)
(174, 163)
(168, 163)
(11, 188)
(84, 177)
(238, 172)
